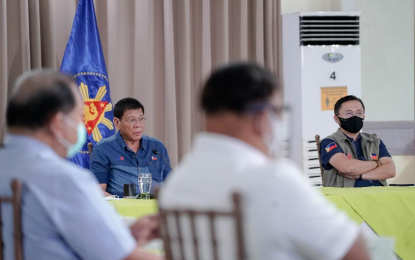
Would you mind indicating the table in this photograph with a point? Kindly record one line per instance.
(135, 208)
(389, 211)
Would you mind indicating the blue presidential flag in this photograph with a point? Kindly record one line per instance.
(84, 59)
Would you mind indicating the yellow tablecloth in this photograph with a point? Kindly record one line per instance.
(389, 211)
(134, 208)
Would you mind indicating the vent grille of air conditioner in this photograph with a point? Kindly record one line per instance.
(329, 30)
(311, 164)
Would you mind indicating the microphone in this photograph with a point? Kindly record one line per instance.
(154, 151)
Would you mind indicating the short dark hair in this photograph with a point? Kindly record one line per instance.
(236, 86)
(124, 104)
(339, 103)
(38, 96)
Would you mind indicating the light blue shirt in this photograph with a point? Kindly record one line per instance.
(64, 215)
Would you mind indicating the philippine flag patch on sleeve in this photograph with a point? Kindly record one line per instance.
(331, 146)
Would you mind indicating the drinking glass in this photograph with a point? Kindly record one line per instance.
(144, 183)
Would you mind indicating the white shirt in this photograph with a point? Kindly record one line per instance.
(64, 215)
(284, 217)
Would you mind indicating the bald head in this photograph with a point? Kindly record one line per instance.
(38, 96)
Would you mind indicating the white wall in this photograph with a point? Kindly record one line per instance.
(387, 44)
(292, 6)
(405, 168)
(387, 47)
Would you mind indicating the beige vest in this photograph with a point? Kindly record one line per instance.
(370, 144)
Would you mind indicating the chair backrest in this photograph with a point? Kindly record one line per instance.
(16, 201)
(176, 214)
(90, 147)
(319, 155)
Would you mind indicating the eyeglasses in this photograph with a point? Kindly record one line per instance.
(277, 110)
(348, 114)
(133, 121)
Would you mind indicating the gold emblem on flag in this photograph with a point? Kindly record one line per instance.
(94, 111)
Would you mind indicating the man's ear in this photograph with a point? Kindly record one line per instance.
(117, 123)
(56, 125)
(336, 119)
(261, 124)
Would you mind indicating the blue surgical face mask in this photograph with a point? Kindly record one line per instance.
(72, 149)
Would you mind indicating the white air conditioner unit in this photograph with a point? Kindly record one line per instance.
(321, 63)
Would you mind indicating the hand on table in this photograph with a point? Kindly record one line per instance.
(146, 229)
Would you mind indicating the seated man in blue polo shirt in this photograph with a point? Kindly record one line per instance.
(117, 160)
(350, 158)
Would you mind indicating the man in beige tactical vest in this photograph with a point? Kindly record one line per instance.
(350, 158)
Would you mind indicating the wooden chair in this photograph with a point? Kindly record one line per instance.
(90, 147)
(15, 200)
(174, 214)
(319, 155)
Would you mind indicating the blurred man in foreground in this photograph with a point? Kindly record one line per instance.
(64, 215)
(284, 217)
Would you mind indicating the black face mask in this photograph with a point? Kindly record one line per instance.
(352, 125)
